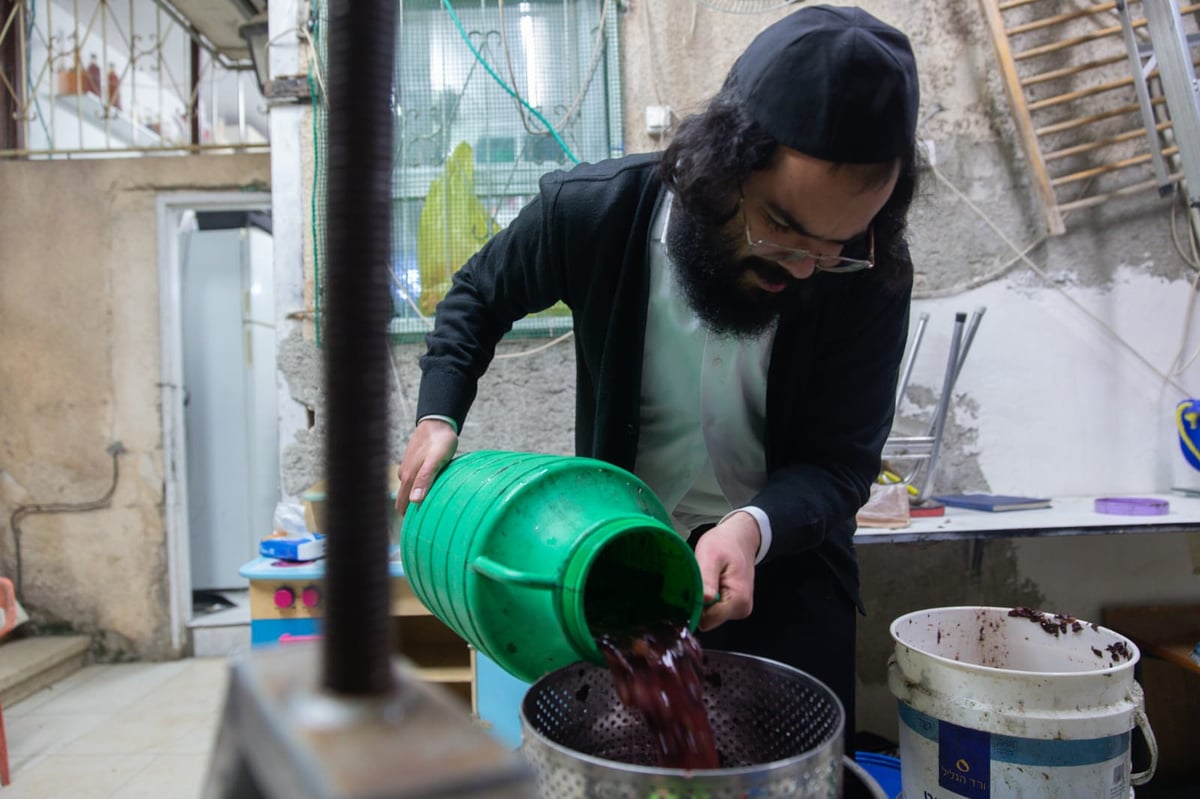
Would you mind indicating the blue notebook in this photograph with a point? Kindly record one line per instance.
(992, 502)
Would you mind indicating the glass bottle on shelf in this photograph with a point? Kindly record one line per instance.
(71, 78)
(114, 87)
(93, 76)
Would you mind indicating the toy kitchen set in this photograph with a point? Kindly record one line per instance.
(287, 605)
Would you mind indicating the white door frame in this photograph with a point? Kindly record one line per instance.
(170, 210)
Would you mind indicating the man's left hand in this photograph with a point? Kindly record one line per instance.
(726, 556)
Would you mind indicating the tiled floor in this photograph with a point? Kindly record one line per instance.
(118, 731)
(146, 730)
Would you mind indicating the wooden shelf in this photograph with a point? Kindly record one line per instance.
(1166, 632)
(433, 651)
(112, 121)
(444, 674)
(408, 606)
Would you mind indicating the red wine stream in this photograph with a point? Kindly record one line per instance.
(659, 674)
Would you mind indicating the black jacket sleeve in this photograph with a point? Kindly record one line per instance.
(511, 276)
(582, 241)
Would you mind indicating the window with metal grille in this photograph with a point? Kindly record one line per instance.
(489, 96)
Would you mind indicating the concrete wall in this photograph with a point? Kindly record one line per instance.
(79, 318)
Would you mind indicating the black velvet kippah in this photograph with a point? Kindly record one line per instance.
(834, 83)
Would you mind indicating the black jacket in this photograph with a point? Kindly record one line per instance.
(584, 240)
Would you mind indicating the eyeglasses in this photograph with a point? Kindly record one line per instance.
(835, 264)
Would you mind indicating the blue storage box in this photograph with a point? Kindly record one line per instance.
(885, 770)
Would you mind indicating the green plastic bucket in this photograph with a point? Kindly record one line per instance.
(528, 557)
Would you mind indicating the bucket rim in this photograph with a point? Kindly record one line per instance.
(528, 729)
(1109, 668)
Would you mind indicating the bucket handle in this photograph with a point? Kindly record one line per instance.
(1143, 723)
(504, 574)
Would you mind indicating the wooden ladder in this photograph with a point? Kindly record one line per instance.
(1073, 86)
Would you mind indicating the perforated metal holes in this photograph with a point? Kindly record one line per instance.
(778, 734)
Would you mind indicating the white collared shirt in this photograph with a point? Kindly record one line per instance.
(703, 407)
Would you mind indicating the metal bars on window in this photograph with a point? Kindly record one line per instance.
(91, 78)
(491, 95)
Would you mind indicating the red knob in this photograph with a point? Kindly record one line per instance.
(284, 597)
(311, 597)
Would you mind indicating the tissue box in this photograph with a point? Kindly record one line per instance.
(296, 548)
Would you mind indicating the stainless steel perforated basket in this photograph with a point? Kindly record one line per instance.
(778, 733)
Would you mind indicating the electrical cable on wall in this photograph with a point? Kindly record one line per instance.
(541, 348)
(406, 409)
(403, 290)
(982, 280)
(1167, 377)
(313, 195)
(466, 37)
(114, 449)
(1179, 364)
(577, 103)
(1190, 258)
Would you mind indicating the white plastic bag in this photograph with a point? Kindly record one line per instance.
(289, 519)
(887, 508)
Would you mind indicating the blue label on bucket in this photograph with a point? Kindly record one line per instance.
(1058, 752)
(964, 760)
(943, 760)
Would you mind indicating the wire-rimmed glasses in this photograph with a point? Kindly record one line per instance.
(835, 264)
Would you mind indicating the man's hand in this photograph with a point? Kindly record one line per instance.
(726, 556)
(431, 446)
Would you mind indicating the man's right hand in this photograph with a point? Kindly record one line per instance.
(431, 446)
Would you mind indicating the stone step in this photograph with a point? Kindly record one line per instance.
(221, 631)
(27, 665)
(223, 640)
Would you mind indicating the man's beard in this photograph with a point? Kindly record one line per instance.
(713, 277)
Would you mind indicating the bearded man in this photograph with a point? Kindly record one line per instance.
(740, 307)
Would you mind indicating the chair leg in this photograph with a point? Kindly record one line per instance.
(9, 612)
(9, 618)
(5, 777)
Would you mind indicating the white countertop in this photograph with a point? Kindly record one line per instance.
(1065, 516)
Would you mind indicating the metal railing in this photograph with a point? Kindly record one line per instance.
(96, 78)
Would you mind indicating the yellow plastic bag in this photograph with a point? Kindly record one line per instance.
(453, 226)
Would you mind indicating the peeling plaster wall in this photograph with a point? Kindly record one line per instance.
(526, 403)
(79, 318)
(1049, 401)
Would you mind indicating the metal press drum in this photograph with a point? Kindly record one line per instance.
(778, 733)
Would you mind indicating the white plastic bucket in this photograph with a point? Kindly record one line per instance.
(996, 702)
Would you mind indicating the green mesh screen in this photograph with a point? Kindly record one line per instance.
(489, 95)
(317, 192)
